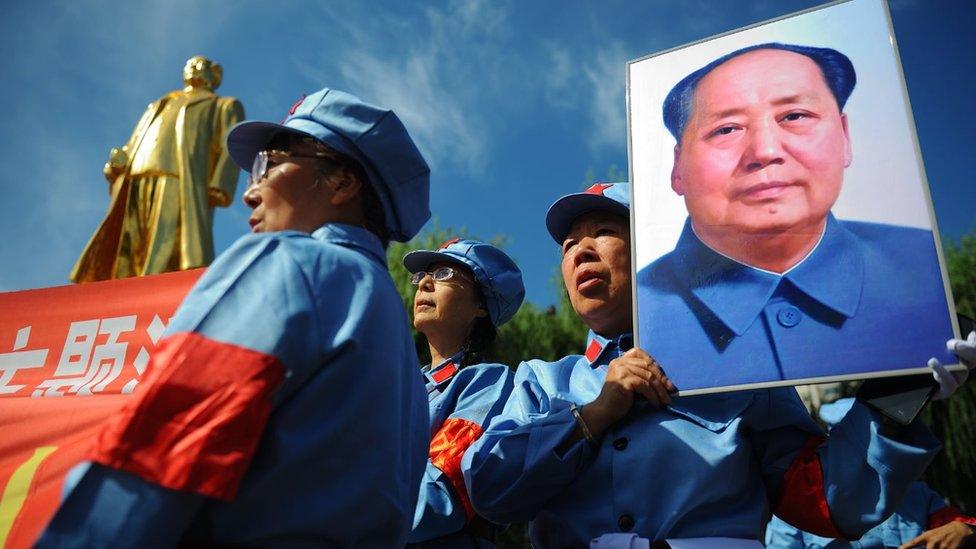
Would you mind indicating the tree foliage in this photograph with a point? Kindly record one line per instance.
(953, 473)
(613, 175)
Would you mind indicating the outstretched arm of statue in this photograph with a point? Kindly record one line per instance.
(118, 158)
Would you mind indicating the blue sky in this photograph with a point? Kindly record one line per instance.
(511, 102)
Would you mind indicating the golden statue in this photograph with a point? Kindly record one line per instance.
(165, 182)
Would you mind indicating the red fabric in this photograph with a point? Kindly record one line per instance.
(803, 502)
(946, 515)
(598, 188)
(446, 449)
(593, 351)
(196, 419)
(444, 373)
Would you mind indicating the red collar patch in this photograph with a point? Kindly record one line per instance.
(594, 350)
(445, 373)
(598, 188)
(448, 243)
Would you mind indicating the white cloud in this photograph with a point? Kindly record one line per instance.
(435, 70)
(557, 80)
(593, 84)
(607, 112)
(426, 104)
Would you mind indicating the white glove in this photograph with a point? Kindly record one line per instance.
(965, 351)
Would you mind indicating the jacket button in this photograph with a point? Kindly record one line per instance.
(789, 316)
(620, 443)
(626, 523)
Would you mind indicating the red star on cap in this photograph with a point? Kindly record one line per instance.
(448, 243)
(598, 188)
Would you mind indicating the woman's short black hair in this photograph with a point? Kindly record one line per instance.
(479, 341)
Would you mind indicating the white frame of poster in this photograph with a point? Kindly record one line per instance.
(637, 259)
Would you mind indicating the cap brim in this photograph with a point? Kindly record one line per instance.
(562, 213)
(247, 139)
(420, 259)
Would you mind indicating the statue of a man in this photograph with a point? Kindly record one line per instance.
(165, 182)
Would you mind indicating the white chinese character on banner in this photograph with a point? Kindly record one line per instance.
(19, 360)
(154, 331)
(86, 368)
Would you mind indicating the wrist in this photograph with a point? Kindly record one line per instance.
(597, 419)
(581, 425)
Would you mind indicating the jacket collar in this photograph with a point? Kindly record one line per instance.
(351, 236)
(832, 274)
(443, 372)
(601, 350)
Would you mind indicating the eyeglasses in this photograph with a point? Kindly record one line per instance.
(259, 170)
(439, 274)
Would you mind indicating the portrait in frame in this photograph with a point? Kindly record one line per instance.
(782, 224)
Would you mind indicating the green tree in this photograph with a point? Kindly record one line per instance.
(613, 175)
(953, 472)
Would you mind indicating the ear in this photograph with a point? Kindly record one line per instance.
(848, 153)
(677, 185)
(344, 186)
(482, 312)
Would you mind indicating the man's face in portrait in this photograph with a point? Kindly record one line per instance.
(764, 149)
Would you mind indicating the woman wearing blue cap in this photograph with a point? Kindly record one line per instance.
(465, 290)
(591, 446)
(260, 422)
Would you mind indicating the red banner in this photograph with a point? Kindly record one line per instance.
(69, 357)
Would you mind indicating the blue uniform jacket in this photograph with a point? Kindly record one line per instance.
(908, 522)
(344, 444)
(462, 402)
(704, 466)
(711, 321)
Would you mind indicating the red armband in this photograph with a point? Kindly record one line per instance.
(196, 420)
(446, 450)
(803, 502)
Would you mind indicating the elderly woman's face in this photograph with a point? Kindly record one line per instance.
(447, 306)
(290, 196)
(596, 271)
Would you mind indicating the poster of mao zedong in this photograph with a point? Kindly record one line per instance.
(782, 222)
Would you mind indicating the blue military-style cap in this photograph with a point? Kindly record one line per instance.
(612, 197)
(373, 136)
(837, 69)
(497, 275)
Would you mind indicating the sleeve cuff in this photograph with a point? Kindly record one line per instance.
(547, 451)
